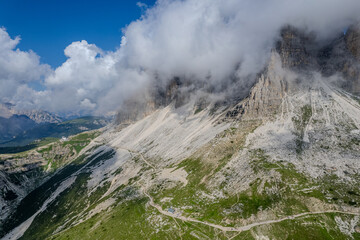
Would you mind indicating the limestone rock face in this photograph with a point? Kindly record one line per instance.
(292, 48)
(266, 95)
(352, 69)
(352, 39)
(296, 51)
(343, 56)
(149, 100)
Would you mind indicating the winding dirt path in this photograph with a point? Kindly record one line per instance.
(242, 228)
(230, 229)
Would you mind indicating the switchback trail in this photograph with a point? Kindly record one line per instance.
(242, 228)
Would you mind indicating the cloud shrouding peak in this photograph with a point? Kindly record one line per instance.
(200, 40)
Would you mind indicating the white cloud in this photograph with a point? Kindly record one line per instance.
(84, 82)
(141, 5)
(86, 103)
(17, 68)
(200, 40)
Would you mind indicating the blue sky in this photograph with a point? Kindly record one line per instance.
(48, 26)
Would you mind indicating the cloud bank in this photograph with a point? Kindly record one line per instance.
(17, 68)
(198, 40)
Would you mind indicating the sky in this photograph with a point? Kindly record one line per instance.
(48, 26)
(88, 57)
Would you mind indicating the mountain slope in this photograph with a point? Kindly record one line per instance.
(281, 163)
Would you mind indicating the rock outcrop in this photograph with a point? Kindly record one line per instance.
(266, 95)
(342, 56)
(292, 48)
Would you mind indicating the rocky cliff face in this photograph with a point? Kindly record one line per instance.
(147, 101)
(266, 95)
(352, 39)
(292, 48)
(342, 57)
(351, 69)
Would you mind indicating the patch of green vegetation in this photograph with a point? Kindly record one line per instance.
(233, 207)
(295, 186)
(222, 162)
(118, 171)
(311, 227)
(45, 141)
(57, 158)
(304, 118)
(131, 219)
(289, 175)
(340, 191)
(196, 168)
(241, 205)
(351, 144)
(79, 141)
(199, 109)
(43, 150)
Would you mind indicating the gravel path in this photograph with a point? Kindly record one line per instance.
(242, 228)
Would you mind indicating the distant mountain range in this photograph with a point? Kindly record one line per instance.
(39, 116)
(13, 126)
(14, 122)
(52, 130)
(19, 128)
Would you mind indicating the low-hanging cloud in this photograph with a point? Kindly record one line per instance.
(199, 40)
(210, 39)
